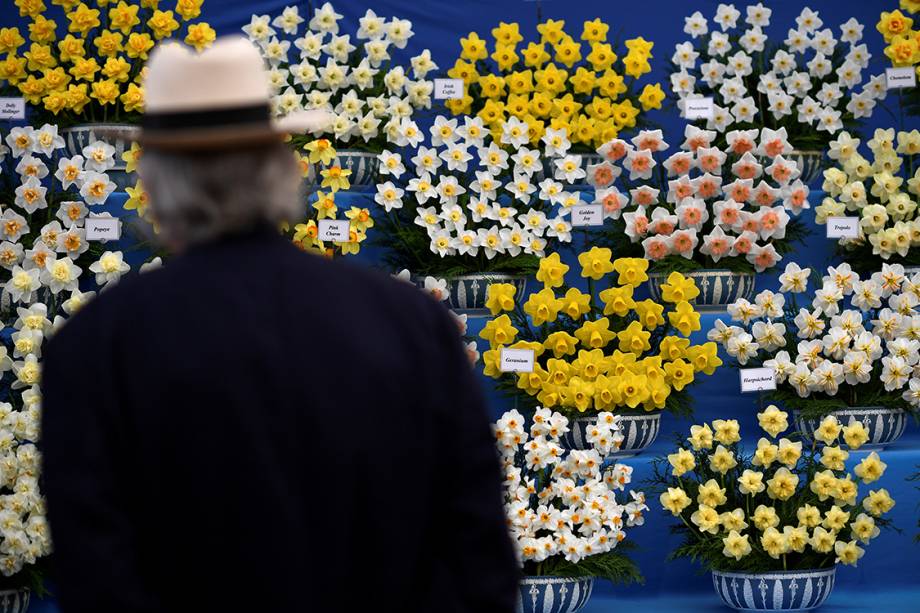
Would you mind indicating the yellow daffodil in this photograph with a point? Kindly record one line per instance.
(700, 437)
(704, 358)
(735, 545)
(651, 314)
(117, 68)
(684, 318)
(679, 288)
(568, 52)
(618, 301)
(188, 9)
(550, 79)
(651, 97)
(633, 389)
(42, 30)
(682, 462)
(578, 394)
(765, 517)
(77, 97)
(750, 483)
(133, 98)
(335, 178)
(123, 17)
(870, 469)
(321, 151)
(601, 57)
(632, 271)
(893, 24)
(131, 157)
(360, 218)
(105, 91)
(500, 297)
(473, 48)
(722, 460)
(83, 19)
(505, 56)
(200, 36)
(596, 262)
(679, 374)
(706, 519)
(675, 500)
(507, 34)
(772, 420)
(595, 334)
(535, 55)
(325, 206)
(11, 40)
(542, 306)
(594, 31)
(561, 344)
(137, 199)
(634, 338)
(139, 45)
(551, 31)
(162, 24)
(828, 430)
(499, 331)
(903, 51)
(575, 304)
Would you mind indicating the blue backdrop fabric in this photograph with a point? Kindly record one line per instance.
(888, 577)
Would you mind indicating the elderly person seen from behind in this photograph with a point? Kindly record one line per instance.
(252, 428)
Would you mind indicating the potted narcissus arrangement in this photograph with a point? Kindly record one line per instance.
(770, 524)
(586, 90)
(813, 84)
(844, 355)
(88, 80)
(473, 205)
(902, 48)
(356, 76)
(567, 511)
(718, 214)
(603, 350)
(882, 191)
(47, 196)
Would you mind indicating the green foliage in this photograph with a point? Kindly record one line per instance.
(613, 566)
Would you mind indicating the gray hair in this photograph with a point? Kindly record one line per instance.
(198, 197)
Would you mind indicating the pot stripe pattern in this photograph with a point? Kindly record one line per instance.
(553, 594)
(468, 292)
(14, 601)
(363, 166)
(885, 425)
(718, 288)
(639, 431)
(779, 591)
(810, 164)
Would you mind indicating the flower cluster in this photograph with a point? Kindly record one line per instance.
(477, 196)
(807, 84)
(333, 179)
(702, 206)
(783, 507)
(883, 192)
(561, 508)
(43, 254)
(356, 80)
(619, 354)
(903, 41)
(95, 71)
(556, 82)
(856, 338)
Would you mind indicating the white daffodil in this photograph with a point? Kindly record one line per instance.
(325, 19)
(23, 284)
(109, 268)
(896, 372)
(389, 196)
(30, 196)
(22, 141)
(258, 28)
(69, 171)
(96, 187)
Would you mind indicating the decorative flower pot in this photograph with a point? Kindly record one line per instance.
(468, 292)
(718, 287)
(795, 590)
(364, 168)
(885, 425)
(810, 163)
(553, 594)
(639, 431)
(118, 135)
(15, 601)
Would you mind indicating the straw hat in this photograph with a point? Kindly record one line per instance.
(215, 99)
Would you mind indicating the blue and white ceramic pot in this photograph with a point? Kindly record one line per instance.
(468, 292)
(364, 168)
(120, 136)
(794, 590)
(639, 431)
(810, 163)
(885, 425)
(553, 594)
(15, 601)
(718, 287)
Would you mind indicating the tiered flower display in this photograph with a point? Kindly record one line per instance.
(855, 342)
(784, 506)
(566, 515)
(810, 84)
(882, 192)
(902, 48)
(353, 75)
(85, 64)
(470, 200)
(604, 352)
(703, 206)
(556, 84)
(44, 254)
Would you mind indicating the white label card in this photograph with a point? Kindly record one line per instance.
(12, 108)
(757, 379)
(335, 230)
(587, 215)
(699, 108)
(899, 78)
(843, 227)
(516, 360)
(448, 89)
(103, 229)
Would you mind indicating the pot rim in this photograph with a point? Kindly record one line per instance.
(807, 152)
(704, 272)
(654, 416)
(860, 409)
(552, 579)
(787, 574)
(484, 275)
